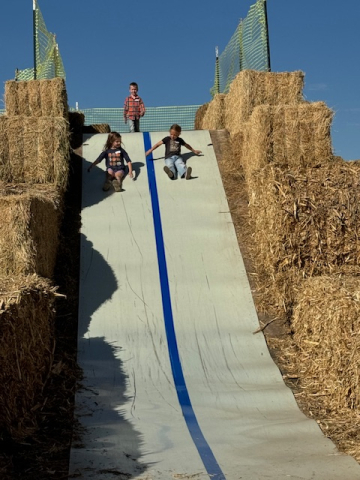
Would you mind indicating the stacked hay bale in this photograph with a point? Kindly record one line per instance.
(305, 229)
(211, 116)
(26, 351)
(34, 166)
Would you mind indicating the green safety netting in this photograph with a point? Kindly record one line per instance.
(156, 119)
(48, 62)
(248, 49)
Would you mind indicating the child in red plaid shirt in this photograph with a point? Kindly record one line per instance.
(134, 108)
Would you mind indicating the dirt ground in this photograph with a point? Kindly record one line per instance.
(45, 456)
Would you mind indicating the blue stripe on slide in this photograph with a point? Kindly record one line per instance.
(205, 452)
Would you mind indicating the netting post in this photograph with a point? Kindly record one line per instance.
(34, 36)
(267, 37)
(217, 71)
(241, 46)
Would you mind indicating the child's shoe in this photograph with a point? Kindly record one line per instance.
(168, 172)
(107, 183)
(188, 173)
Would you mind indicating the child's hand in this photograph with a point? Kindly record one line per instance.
(197, 152)
(131, 174)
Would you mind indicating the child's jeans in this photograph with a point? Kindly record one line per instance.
(134, 125)
(176, 165)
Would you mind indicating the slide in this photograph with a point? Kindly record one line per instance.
(176, 385)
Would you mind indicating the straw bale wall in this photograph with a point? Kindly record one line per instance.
(199, 115)
(34, 150)
(326, 323)
(29, 230)
(214, 115)
(26, 351)
(290, 135)
(251, 88)
(305, 221)
(36, 98)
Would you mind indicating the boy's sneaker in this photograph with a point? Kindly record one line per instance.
(188, 173)
(168, 172)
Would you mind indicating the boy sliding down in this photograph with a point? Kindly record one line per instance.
(174, 164)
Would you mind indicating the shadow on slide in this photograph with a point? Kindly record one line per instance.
(99, 360)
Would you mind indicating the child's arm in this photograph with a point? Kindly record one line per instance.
(98, 160)
(142, 108)
(128, 163)
(197, 152)
(126, 109)
(153, 148)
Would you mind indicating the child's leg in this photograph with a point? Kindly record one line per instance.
(108, 178)
(180, 166)
(170, 167)
(131, 125)
(117, 182)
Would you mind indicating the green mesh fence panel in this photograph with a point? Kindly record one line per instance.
(156, 119)
(48, 60)
(247, 49)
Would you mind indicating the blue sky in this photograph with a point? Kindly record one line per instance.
(169, 49)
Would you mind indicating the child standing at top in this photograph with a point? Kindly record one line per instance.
(114, 156)
(174, 163)
(134, 108)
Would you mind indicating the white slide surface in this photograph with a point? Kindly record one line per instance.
(176, 385)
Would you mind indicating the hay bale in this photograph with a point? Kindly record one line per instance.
(54, 98)
(35, 109)
(97, 128)
(305, 221)
(76, 121)
(214, 115)
(199, 115)
(29, 230)
(26, 351)
(251, 88)
(76, 124)
(288, 135)
(12, 106)
(44, 97)
(326, 323)
(4, 148)
(38, 150)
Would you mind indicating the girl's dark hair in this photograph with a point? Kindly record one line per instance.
(175, 127)
(111, 139)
